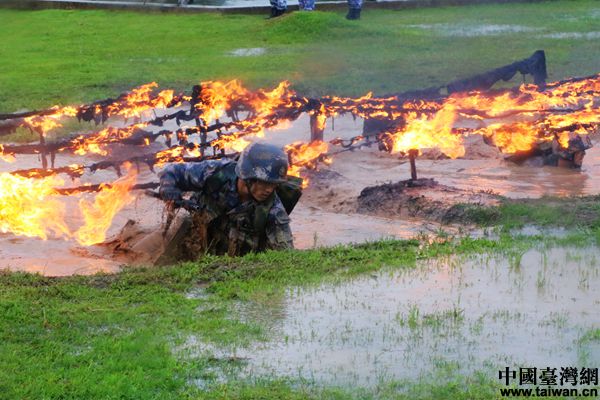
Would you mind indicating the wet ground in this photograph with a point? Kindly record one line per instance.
(328, 212)
(481, 313)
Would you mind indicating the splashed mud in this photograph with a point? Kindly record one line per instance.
(528, 310)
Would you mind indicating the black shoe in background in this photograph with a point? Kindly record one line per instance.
(353, 13)
(275, 12)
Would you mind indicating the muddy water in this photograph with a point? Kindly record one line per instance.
(325, 216)
(484, 314)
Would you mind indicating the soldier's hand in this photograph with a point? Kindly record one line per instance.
(170, 206)
(170, 195)
(189, 205)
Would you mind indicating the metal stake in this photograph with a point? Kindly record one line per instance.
(412, 154)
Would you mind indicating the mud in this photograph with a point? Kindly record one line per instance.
(479, 314)
(423, 198)
(331, 211)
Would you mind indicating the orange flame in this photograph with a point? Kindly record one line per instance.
(96, 143)
(45, 123)
(139, 100)
(216, 98)
(306, 155)
(174, 154)
(10, 158)
(28, 207)
(425, 132)
(108, 202)
(511, 138)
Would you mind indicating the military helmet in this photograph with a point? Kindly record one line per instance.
(264, 162)
(580, 143)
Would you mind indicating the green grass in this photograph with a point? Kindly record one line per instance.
(569, 212)
(592, 335)
(68, 56)
(112, 336)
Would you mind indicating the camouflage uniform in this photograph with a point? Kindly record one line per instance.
(223, 224)
(309, 5)
(357, 4)
(279, 4)
(578, 144)
(306, 5)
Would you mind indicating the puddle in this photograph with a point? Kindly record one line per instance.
(327, 212)
(460, 30)
(255, 51)
(483, 314)
(572, 35)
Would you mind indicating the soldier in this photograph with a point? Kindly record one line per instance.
(306, 5)
(236, 207)
(354, 7)
(553, 154)
(278, 7)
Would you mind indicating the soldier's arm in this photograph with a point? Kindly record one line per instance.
(278, 230)
(178, 178)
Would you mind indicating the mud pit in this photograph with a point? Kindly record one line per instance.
(478, 314)
(329, 212)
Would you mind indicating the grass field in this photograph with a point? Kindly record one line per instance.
(113, 336)
(69, 56)
(109, 337)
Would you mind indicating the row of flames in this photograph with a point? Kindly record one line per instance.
(513, 120)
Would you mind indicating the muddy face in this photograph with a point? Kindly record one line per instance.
(578, 159)
(261, 191)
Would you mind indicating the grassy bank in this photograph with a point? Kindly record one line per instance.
(116, 336)
(567, 212)
(68, 56)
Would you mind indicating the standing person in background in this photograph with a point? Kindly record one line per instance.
(278, 7)
(306, 5)
(354, 7)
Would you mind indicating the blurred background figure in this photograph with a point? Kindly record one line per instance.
(354, 7)
(278, 7)
(306, 5)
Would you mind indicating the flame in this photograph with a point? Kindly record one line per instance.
(28, 207)
(139, 100)
(425, 132)
(511, 138)
(231, 142)
(9, 158)
(216, 98)
(174, 154)
(108, 202)
(306, 155)
(45, 123)
(96, 143)
(563, 139)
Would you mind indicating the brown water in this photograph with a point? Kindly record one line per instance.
(481, 314)
(325, 216)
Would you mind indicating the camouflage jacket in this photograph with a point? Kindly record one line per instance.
(229, 226)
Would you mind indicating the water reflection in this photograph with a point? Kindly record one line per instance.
(524, 310)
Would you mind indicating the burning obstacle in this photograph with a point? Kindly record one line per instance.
(217, 119)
